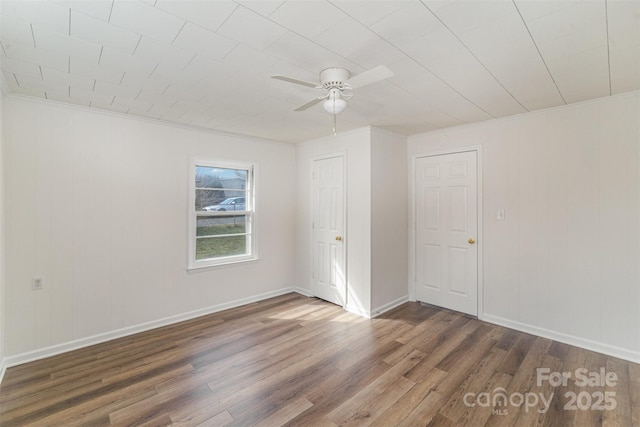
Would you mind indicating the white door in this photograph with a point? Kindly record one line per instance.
(446, 203)
(328, 227)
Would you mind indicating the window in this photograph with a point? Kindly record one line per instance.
(222, 214)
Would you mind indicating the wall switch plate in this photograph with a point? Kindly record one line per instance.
(500, 215)
(37, 283)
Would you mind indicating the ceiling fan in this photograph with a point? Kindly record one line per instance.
(336, 84)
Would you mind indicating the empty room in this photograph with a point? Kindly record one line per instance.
(320, 213)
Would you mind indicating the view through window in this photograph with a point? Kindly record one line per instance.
(223, 212)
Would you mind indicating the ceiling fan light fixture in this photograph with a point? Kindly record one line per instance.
(334, 104)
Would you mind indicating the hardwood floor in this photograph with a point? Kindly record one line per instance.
(300, 361)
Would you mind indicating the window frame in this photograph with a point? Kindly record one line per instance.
(249, 213)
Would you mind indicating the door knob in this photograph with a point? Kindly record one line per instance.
(339, 238)
(471, 240)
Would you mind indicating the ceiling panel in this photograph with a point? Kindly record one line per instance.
(347, 37)
(307, 18)
(264, 8)
(62, 78)
(406, 24)
(144, 84)
(145, 19)
(198, 67)
(624, 45)
(432, 47)
(207, 14)
(110, 105)
(209, 63)
(185, 78)
(78, 97)
(505, 48)
(52, 41)
(16, 32)
(117, 90)
(435, 93)
(377, 52)
(205, 42)
(306, 54)
(99, 9)
(158, 101)
(47, 86)
(118, 61)
(38, 56)
(572, 37)
(96, 71)
(583, 75)
(157, 52)
(264, 31)
(46, 13)
(464, 16)
(127, 105)
(10, 65)
(368, 13)
(248, 61)
(14, 87)
(451, 62)
(96, 31)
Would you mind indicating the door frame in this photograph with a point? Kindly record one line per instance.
(345, 234)
(412, 219)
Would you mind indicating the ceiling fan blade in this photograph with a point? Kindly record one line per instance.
(371, 76)
(310, 104)
(296, 81)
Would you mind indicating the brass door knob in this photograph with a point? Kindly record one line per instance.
(472, 240)
(339, 238)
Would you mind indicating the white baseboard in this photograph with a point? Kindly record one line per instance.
(610, 350)
(358, 310)
(377, 311)
(389, 306)
(301, 291)
(3, 369)
(30, 356)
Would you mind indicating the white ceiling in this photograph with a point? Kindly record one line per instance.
(207, 63)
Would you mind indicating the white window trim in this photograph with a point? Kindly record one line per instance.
(192, 263)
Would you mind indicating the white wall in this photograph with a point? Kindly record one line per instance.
(2, 233)
(564, 263)
(376, 233)
(389, 216)
(96, 203)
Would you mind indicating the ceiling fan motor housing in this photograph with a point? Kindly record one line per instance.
(334, 77)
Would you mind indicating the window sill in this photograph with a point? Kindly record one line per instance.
(230, 263)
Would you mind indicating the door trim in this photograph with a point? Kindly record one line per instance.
(412, 220)
(345, 233)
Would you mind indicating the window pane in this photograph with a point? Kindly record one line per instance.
(214, 247)
(223, 214)
(213, 226)
(210, 177)
(220, 200)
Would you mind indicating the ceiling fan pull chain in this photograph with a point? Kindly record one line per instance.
(334, 121)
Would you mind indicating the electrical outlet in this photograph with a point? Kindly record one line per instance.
(37, 283)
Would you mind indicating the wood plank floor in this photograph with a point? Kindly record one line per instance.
(300, 361)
